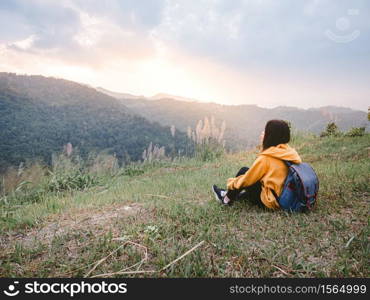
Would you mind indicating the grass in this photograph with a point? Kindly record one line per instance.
(155, 213)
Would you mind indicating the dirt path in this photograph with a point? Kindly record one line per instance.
(94, 219)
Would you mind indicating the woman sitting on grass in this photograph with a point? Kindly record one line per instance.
(263, 182)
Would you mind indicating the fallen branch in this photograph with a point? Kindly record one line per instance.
(103, 259)
(349, 241)
(281, 270)
(159, 196)
(123, 271)
(182, 256)
(139, 264)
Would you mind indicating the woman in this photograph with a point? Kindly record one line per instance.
(263, 182)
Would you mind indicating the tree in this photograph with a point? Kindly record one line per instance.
(331, 130)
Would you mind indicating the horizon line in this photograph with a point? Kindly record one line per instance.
(191, 100)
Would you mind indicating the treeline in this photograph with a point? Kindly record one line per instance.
(244, 123)
(333, 130)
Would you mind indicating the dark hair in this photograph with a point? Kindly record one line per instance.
(276, 132)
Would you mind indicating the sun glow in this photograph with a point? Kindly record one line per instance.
(158, 72)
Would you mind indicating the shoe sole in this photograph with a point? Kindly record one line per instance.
(216, 196)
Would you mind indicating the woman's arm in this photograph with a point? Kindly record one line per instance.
(254, 174)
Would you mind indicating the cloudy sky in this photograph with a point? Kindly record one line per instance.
(291, 52)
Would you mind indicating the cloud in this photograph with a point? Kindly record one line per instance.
(242, 34)
(263, 33)
(129, 14)
(86, 32)
(264, 39)
(53, 24)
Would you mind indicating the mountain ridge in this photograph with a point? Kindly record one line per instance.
(243, 122)
(160, 96)
(40, 115)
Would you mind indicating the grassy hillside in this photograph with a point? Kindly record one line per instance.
(39, 115)
(244, 123)
(139, 222)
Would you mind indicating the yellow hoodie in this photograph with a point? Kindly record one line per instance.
(270, 170)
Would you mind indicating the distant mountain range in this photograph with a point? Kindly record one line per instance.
(39, 115)
(173, 97)
(243, 122)
(155, 97)
(118, 95)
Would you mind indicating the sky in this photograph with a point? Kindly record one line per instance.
(303, 53)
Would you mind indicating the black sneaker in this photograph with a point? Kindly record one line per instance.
(219, 194)
(243, 195)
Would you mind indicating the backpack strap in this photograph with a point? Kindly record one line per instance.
(275, 195)
(288, 163)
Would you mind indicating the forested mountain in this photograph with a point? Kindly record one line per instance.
(244, 123)
(39, 115)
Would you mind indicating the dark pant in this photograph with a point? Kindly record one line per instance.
(252, 193)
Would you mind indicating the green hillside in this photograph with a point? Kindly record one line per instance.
(39, 115)
(160, 219)
(244, 123)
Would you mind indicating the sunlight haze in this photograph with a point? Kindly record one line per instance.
(269, 53)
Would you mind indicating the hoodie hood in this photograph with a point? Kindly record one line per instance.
(283, 152)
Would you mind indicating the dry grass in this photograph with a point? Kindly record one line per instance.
(32, 174)
(98, 221)
(172, 210)
(103, 164)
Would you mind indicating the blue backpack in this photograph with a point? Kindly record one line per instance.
(300, 188)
